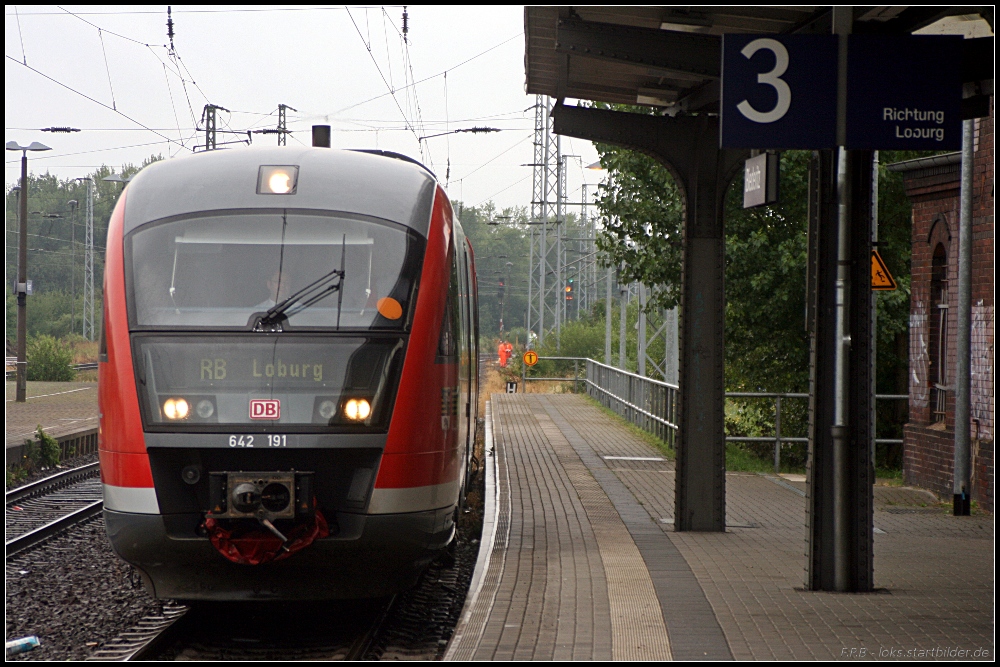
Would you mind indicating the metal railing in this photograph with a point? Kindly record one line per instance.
(576, 379)
(649, 404)
(778, 439)
(652, 405)
(10, 361)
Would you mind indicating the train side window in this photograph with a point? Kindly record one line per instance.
(102, 348)
(448, 339)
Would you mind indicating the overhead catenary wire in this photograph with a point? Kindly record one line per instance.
(391, 91)
(88, 97)
(498, 156)
(176, 137)
(100, 29)
(447, 129)
(127, 12)
(171, 53)
(385, 39)
(172, 105)
(107, 68)
(517, 182)
(433, 76)
(24, 58)
(170, 50)
(412, 98)
(95, 150)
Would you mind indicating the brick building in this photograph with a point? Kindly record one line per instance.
(932, 184)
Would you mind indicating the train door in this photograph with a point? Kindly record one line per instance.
(474, 335)
(466, 428)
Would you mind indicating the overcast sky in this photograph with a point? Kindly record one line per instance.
(250, 59)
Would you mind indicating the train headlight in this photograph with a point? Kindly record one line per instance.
(205, 408)
(176, 408)
(327, 409)
(357, 409)
(277, 180)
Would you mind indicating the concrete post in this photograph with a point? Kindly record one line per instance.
(642, 330)
(607, 317)
(622, 313)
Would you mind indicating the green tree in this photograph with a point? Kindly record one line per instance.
(498, 238)
(56, 246)
(767, 348)
(642, 215)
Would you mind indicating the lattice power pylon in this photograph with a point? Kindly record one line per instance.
(88, 268)
(544, 288)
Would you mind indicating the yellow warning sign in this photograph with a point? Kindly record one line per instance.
(881, 278)
(530, 358)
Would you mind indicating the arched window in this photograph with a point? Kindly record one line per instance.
(938, 371)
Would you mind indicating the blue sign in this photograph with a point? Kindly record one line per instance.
(904, 92)
(779, 91)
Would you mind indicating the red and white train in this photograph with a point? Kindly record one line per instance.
(288, 379)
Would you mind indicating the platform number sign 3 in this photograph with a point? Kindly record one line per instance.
(772, 78)
(778, 91)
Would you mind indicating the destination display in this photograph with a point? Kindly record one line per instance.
(199, 381)
(904, 92)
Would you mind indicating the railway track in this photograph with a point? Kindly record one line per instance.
(10, 373)
(38, 511)
(253, 631)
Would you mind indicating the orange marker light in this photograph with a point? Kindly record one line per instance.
(389, 308)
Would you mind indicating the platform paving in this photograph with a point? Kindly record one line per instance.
(58, 407)
(587, 565)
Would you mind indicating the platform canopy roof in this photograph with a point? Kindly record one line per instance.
(671, 56)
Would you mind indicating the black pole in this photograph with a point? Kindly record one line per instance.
(72, 274)
(22, 286)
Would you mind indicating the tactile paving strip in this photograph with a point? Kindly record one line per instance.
(470, 630)
(638, 631)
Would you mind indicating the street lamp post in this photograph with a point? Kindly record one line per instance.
(22, 270)
(115, 178)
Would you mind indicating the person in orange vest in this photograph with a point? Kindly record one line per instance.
(509, 349)
(502, 354)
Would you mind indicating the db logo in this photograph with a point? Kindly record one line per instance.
(265, 408)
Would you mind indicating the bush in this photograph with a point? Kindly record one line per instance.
(49, 360)
(42, 452)
(31, 458)
(48, 448)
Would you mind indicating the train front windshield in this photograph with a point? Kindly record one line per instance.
(199, 288)
(326, 271)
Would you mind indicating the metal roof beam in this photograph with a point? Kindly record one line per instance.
(908, 20)
(664, 49)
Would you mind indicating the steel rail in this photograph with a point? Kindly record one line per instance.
(364, 643)
(32, 538)
(149, 638)
(52, 482)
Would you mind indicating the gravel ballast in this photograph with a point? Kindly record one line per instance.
(73, 593)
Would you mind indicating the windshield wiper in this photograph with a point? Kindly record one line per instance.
(304, 298)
